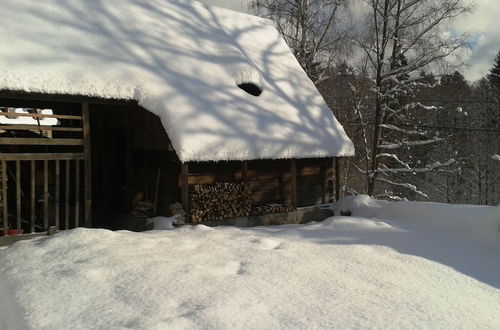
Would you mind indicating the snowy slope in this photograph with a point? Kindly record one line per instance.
(180, 59)
(345, 272)
(473, 223)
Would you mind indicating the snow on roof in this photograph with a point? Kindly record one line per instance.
(181, 60)
(11, 119)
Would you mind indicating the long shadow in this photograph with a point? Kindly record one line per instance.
(478, 262)
(156, 37)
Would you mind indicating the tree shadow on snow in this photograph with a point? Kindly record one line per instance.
(479, 262)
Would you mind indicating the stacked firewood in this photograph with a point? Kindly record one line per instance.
(271, 208)
(219, 201)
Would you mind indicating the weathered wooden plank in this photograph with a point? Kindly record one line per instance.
(4, 197)
(337, 178)
(207, 178)
(38, 115)
(326, 179)
(323, 187)
(77, 193)
(244, 171)
(309, 180)
(266, 174)
(40, 128)
(265, 196)
(18, 195)
(264, 185)
(66, 209)
(45, 194)
(33, 196)
(293, 173)
(185, 186)
(87, 165)
(58, 192)
(40, 156)
(41, 141)
(157, 190)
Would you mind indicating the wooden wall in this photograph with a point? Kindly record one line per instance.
(271, 180)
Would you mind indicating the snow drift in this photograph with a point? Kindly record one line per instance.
(345, 272)
(479, 224)
(181, 60)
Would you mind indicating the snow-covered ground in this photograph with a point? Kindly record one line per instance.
(345, 272)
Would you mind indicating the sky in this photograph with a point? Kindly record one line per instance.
(484, 43)
(482, 26)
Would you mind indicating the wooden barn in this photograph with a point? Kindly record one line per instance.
(114, 116)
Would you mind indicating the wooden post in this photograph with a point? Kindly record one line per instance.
(185, 187)
(33, 196)
(324, 186)
(18, 194)
(58, 191)
(157, 190)
(293, 173)
(244, 172)
(5, 203)
(45, 195)
(66, 209)
(77, 193)
(87, 165)
(337, 178)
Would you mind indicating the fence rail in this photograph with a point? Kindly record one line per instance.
(24, 170)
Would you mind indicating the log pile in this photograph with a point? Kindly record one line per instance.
(219, 201)
(271, 208)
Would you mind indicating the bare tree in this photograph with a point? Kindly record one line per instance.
(313, 29)
(402, 38)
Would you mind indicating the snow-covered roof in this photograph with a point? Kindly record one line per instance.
(181, 60)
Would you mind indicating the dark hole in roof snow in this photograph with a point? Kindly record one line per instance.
(251, 88)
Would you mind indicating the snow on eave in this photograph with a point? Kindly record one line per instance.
(182, 61)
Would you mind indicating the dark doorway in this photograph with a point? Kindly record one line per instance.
(110, 149)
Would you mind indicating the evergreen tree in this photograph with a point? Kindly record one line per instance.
(494, 75)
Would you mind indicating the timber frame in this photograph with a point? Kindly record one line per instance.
(51, 153)
(295, 182)
(62, 168)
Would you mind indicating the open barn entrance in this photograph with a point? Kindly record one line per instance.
(44, 148)
(135, 169)
(67, 163)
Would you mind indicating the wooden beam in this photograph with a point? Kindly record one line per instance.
(39, 128)
(38, 115)
(41, 156)
(41, 141)
(87, 165)
(18, 195)
(185, 187)
(5, 203)
(293, 174)
(337, 178)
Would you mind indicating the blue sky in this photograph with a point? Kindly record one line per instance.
(482, 25)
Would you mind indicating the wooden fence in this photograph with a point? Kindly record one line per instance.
(45, 178)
